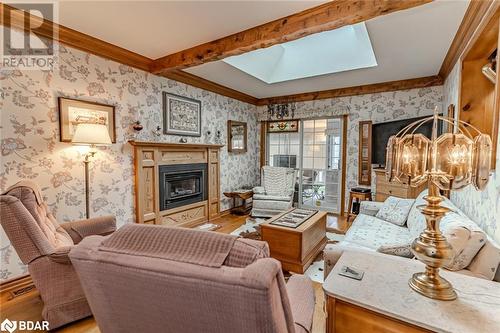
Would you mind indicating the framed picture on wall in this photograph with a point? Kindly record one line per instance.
(181, 115)
(74, 111)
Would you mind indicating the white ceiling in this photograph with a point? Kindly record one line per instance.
(408, 44)
(157, 28)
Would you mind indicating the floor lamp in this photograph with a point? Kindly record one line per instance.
(90, 134)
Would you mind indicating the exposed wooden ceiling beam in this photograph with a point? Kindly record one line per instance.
(329, 16)
(13, 18)
(356, 90)
(107, 50)
(201, 83)
(472, 18)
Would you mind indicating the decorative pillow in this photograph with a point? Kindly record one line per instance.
(486, 261)
(400, 250)
(465, 237)
(416, 221)
(395, 210)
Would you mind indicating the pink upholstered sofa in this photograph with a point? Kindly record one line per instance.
(146, 278)
(43, 245)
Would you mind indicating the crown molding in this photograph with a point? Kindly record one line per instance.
(422, 82)
(86, 43)
(476, 10)
(198, 82)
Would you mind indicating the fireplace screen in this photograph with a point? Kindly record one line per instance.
(183, 187)
(182, 184)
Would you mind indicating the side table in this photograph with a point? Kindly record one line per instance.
(243, 196)
(383, 302)
(357, 197)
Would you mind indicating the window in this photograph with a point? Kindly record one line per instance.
(284, 149)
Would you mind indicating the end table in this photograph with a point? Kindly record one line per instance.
(243, 196)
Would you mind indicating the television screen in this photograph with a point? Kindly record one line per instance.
(286, 161)
(382, 131)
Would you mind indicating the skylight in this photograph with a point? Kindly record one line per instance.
(328, 52)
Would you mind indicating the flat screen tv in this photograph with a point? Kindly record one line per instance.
(286, 161)
(382, 131)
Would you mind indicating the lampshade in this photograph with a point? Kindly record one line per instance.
(412, 155)
(481, 161)
(452, 156)
(91, 134)
(391, 157)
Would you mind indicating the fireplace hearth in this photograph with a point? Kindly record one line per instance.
(182, 184)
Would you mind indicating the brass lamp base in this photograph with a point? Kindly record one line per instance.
(432, 248)
(432, 286)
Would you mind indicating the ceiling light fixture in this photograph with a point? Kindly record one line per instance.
(281, 111)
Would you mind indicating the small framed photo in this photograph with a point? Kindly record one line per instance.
(181, 115)
(73, 111)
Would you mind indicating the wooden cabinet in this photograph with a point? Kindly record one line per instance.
(480, 96)
(148, 156)
(384, 188)
(344, 317)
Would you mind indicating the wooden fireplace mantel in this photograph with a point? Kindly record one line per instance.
(173, 144)
(148, 157)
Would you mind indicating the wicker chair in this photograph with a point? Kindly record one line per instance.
(275, 195)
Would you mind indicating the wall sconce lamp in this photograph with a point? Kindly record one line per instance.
(90, 134)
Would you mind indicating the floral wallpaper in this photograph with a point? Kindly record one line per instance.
(483, 207)
(379, 107)
(30, 146)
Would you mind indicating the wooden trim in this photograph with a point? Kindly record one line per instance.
(15, 18)
(263, 143)
(479, 99)
(422, 82)
(201, 83)
(328, 16)
(345, 120)
(110, 51)
(472, 18)
(361, 145)
(16, 287)
(87, 43)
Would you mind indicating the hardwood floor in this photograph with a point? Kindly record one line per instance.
(29, 306)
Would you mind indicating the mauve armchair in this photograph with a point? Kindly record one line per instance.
(43, 244)
(147, 278)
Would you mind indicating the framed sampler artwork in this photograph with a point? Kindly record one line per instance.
(181, 115)
(74, 111)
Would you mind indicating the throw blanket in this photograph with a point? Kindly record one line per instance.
(277, 181)
(203, 248)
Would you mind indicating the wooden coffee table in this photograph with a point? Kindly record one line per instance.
(296, 248)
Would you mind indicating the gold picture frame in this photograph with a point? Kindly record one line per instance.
(72, 111)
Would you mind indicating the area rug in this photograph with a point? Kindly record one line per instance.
(251, 229)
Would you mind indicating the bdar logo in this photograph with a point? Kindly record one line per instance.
(8, 325)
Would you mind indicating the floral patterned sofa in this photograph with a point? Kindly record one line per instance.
(369, 234)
